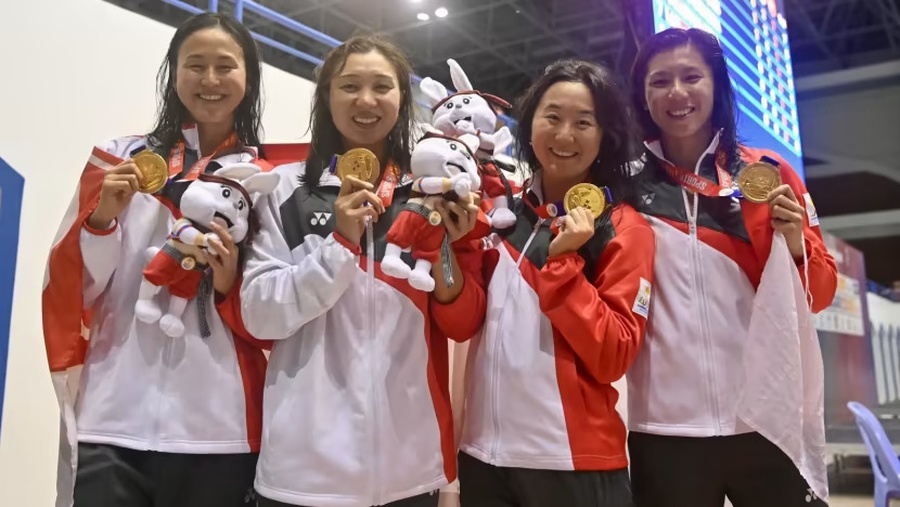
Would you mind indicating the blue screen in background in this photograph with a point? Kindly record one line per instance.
(753, 34)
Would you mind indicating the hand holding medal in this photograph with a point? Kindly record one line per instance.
(760, 183)
(356, 205)
(584, 203)
(146, 172)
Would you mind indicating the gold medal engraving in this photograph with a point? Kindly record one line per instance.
(757, 180)
(359, 163)
(585, 195)
(154, 171)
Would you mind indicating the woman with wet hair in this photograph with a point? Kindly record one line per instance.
(159, 420)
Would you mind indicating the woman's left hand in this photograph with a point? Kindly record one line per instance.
(787, 218)
(223, 259)
(466, 215)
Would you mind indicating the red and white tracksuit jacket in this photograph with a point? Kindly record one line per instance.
(710, 253)
(557, 332)
(138, 388)
(357, 409)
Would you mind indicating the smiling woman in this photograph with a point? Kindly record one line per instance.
(211, 81)
(577, 269)
(356, 404)
(711, 318)
(159, 420)
(211, 76)
(363, 98)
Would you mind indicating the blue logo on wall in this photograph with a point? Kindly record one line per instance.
(11, 185)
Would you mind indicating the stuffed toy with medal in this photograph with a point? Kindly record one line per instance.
(469, 111)
(443, 167)
(223, 197)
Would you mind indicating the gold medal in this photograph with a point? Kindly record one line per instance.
(587, 196)
(757, 180)
(154, 171)
(359, 163)
(434, 218)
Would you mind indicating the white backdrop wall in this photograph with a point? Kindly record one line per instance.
(74, 73)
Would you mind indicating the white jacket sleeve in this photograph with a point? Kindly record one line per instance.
(100, 254)
(279, 295)
(102, 250)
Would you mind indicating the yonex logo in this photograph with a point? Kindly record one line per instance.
(810, 495)
(320, 217)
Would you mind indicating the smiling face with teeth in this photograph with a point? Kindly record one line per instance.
(679, 91)
(565, 135)
(211, 78)
(364, 99)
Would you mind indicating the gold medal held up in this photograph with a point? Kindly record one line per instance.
(359, 163)
(154, 171)
(585, 195)
(757, 180)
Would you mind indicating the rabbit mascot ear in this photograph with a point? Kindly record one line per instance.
(470, 111)
(434, 91)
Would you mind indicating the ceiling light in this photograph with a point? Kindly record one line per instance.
(422, 16)
(441, 12)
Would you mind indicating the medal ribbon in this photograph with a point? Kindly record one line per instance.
(556, 211)
(388, 184)
(176, 159)
(700, 185)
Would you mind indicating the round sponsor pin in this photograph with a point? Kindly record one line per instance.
(551, 210)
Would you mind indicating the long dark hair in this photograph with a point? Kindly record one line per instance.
(618, 147)
(326, 140)
(172, 114)
(724, 115)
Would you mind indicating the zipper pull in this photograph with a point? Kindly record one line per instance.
(692, 225)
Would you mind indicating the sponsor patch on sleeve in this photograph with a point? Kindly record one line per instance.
(811, 211)
(642, 300)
